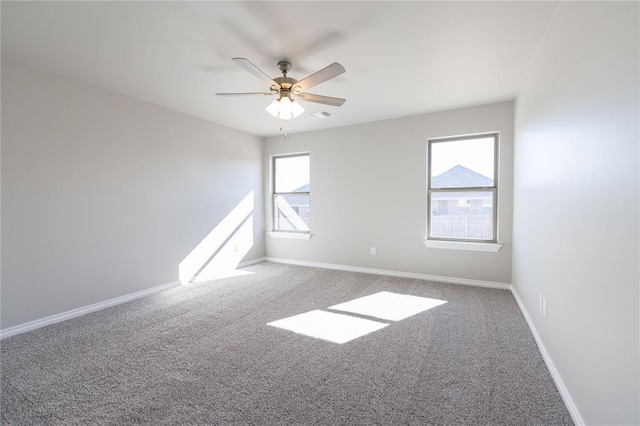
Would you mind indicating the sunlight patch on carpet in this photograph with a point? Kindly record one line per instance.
(388, 306)
(336, 328)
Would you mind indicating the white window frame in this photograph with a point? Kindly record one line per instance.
(462, 243)
(286, 233)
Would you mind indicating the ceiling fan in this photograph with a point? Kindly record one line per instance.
(289, 89)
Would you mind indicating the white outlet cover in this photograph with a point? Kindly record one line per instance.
(540, 304)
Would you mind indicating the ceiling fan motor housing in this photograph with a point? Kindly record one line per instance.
(284, 66)
(286, 83)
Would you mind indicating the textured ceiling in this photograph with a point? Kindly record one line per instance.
(402, 58)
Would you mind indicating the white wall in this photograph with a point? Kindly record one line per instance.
(576, 214)
(368, 188)
(104, 195)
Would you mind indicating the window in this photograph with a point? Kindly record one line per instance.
(291, 193)
(463, 189)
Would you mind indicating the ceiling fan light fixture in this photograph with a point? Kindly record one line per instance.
(285, 109)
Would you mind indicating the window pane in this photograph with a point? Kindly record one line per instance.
(292, 212)
(292, 174)
(462, 215)
(463, 163)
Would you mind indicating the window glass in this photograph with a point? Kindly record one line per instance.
(292, 212)
(462, 163)
(462, 215)
(462, 189)
(291, 193)
(292, 174)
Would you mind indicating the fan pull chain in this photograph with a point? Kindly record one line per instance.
(282, 129)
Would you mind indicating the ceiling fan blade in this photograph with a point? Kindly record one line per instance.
(252, 69)
(247, 94)
(319, 99)
(327, 73)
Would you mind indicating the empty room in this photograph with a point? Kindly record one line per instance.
(319, 212)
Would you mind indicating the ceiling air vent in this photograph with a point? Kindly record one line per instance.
(319, 114)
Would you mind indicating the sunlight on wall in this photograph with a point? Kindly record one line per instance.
(342, 328)
(220, 252)
(230, 254)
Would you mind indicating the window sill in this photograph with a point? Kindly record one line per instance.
(460, 245)
(290, 235)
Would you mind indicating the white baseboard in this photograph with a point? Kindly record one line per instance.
(564, 392)
(450, 280)
(32, 325)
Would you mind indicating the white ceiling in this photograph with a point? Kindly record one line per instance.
(402, 58)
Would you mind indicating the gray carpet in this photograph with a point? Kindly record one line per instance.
(203, 354)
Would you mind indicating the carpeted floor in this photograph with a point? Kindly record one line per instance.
(204, 354)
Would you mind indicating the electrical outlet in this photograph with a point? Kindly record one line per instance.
(540, 303)
(544, 307)
(373, 251)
